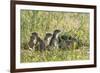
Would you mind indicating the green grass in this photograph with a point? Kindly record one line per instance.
(70, 23)
(54, 55)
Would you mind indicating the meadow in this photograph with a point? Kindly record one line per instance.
(72, 24)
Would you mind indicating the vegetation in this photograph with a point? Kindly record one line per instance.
(70, 23)
(54, 55)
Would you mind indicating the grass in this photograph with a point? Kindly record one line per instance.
(70, 23)
(54, 55)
